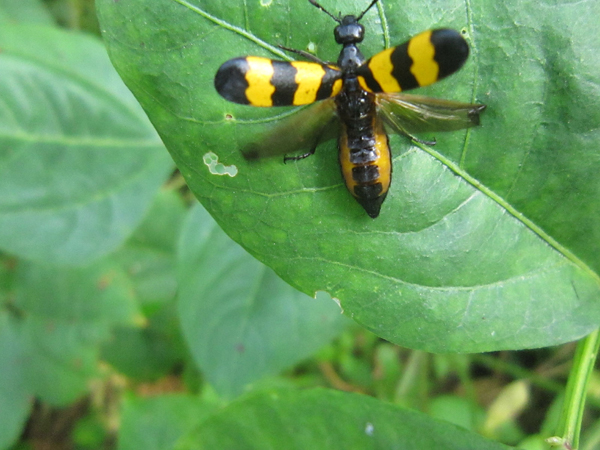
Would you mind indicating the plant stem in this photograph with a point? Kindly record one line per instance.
(569, 425)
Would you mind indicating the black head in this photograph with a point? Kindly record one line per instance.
(349, 31)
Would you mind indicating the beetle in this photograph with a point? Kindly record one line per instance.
(357, 99)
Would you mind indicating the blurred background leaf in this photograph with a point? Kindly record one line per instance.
(328, 420)
(79, 162)
(24, 11)
(240, 320)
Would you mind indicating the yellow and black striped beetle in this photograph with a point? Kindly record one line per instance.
(358, 95)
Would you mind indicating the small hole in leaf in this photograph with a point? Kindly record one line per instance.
(216, 168)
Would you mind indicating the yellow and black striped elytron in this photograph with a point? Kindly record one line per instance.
(359, 96)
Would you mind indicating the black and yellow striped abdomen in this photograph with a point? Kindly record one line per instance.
(367, 171)
(258, 81)
(363, 147)
(423, 60)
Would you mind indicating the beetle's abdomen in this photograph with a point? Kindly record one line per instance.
(366, 165)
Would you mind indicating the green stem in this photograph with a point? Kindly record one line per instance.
(569, 425)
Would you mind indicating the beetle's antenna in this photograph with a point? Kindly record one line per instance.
(337, 19)
(365, 11)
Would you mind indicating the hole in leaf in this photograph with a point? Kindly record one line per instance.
(216, 168)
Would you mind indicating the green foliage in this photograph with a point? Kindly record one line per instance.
(113, 288)
(148, 257)
(80, 164)
(24, 11)
(158, 423)
(50, 332)
(242, 320)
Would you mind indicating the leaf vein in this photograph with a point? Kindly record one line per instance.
(226, 25)
(517, 278)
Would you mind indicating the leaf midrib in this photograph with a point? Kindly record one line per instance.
(65, 73)
(353, 268)
(511, 210)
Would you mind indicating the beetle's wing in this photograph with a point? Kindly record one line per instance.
(257, 81)
(426, 58)
(409, 114)
(301, 131)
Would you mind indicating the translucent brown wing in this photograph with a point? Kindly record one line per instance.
(407, 114)
(300, 132)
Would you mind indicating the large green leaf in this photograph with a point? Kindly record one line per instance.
(79, 162)
(488, 240)
(240, 320)
(326, 419)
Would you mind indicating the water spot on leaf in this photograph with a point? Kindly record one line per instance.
(216, 168)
